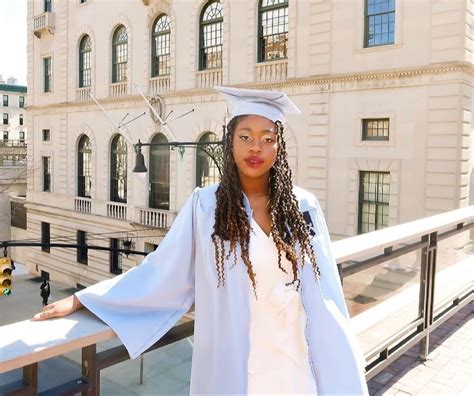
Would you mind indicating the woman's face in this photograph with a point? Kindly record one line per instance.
(255, 146)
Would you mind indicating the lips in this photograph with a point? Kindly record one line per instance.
(254, 162)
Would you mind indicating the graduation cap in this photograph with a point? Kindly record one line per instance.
(269, 104)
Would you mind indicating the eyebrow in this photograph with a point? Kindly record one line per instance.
(248, 129)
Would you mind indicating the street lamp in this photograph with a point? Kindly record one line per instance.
(211, 149)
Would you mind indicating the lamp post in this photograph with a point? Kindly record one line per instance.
(213, 150)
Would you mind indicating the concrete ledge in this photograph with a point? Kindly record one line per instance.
(27, 342)
(365, 244)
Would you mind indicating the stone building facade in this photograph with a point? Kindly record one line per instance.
(385, 88)
(13, 140)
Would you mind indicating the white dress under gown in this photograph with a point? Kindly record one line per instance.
(278, 359)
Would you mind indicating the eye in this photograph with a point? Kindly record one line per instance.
(244, 138)
(268, 139)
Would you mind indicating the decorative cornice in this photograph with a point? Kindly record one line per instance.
(328, 83)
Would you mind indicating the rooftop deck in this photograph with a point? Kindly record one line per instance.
(409, 289)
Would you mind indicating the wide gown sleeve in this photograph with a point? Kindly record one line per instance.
(142, 304)
(332, 283)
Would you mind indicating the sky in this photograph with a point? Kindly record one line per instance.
(13, 39)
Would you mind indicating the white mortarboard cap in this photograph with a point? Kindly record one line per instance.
(270, 104)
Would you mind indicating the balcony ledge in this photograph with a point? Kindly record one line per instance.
(349, 248)
(40, 340)
(43, 23)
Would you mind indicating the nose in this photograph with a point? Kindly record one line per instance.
(256, 147)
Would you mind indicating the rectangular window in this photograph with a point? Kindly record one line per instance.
(22, 137)
(5, 136)
(47, 174)
(379, 22)
(48, 5)
(375, 129)
(18, 214)
(21, 101)
(115, 256)
(46, 135)
(45, 236)
(48, 73)
(374, 197)
(21, 119)
(273, 31)
(5, 100)
(82, 247)
(5, 118)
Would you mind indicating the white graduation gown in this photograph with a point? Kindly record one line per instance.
(145, 302)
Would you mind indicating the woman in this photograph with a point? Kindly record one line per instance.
(253, 253)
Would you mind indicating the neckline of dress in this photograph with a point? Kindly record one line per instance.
(269, 236)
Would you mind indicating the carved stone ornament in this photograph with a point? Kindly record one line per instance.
(159, 106)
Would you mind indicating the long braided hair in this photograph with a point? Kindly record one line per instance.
(288, 226)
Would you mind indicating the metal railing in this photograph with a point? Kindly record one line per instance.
(380, 246)
(420, 235)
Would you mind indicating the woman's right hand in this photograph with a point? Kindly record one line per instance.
(63, 307)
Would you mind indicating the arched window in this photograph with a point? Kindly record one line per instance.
(210, 36)
(119, 55)
(118, 170)
(85, 70)
(207, 172)
(272, 30)
(159, 174)
(160, 46)
(84, 167)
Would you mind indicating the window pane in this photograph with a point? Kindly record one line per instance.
(375, 129)
(47, 174)
(273, 32)
(118, 178)
(159, 174)
(120, 55)
(85, 67)
(161, 47)
(374, 193)
(84, 167)
(207, 172)
(45, 236)
(211, 37)
(116, 257)
(47, 72)
(82, 248)
(379, 22)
